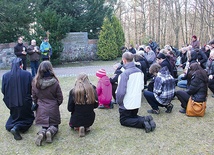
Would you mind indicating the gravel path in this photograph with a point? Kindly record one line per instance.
(74, 71)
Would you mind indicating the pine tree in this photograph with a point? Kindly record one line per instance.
(120, 36)
(107, 47)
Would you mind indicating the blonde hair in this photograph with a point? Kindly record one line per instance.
(84, 92)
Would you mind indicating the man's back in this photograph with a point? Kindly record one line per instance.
(130, 85)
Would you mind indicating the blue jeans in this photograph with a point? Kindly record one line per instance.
(152, 100)
(34, 67)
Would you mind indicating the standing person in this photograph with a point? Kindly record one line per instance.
(104, 90)
(163, 91)
(197, 89)
(16, 88)
(46, 92)
(20, 51)
(81, 104)
(34, 53)
(153, 45)
(45, 49)
(128, 95)
(195, 43)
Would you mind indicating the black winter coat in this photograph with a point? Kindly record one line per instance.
(198, 88)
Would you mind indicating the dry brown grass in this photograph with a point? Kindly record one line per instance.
(175, 133)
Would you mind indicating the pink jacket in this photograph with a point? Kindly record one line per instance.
(104, 90)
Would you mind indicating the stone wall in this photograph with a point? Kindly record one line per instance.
(7, 54)
(76, 47)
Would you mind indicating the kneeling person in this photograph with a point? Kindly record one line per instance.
(128, 96)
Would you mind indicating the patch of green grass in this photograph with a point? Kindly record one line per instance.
(175, 133)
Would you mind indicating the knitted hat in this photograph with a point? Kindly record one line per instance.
(194, 36)
(100, 73)
(161, 56)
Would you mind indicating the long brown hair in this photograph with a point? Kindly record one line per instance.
(83, 90)
(44, 68)
(196, 69)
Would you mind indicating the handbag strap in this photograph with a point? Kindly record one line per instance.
(202, 105)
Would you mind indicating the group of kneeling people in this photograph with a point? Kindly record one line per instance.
(19, 90)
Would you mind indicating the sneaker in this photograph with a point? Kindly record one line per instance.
(183, 111)
(152, 111)
(82, 131)
(169, 108)
(48, 137)
(39, 140)
(16, 134)
(101, 106)
(147, 126)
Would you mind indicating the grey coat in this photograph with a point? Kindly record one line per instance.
(49, 97)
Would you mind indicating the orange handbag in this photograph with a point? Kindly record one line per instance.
(195, 109)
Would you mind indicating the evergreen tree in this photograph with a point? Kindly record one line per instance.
(15, 19)
(120, 36)
(57, 25)
(107, 47)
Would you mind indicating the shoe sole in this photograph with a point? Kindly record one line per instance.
(153, 125)
(81, 131)
(48, 137)
(39, 140)
(153, 112)
(16, 135)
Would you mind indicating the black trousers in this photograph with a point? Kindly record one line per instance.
(24, 61)
(183, 97)
(114, 88)
(130, 118)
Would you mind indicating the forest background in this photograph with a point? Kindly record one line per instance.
(165, 21)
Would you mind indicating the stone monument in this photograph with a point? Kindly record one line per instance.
(76, 47)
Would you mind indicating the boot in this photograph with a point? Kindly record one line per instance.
(51, 131)
(16, 134)
(40, 137)
(81, 131)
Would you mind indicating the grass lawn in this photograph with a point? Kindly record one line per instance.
(176, 134)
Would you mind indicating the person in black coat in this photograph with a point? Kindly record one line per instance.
(114, 80)
(143, 66)
(82, 101)
(197, 89)
(20, 51)
(202, 58)
(16, 88)
(163, 61)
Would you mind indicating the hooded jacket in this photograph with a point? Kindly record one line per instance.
(104, 90)
(49, 97)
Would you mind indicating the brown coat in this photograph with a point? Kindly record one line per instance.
(48, 97)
